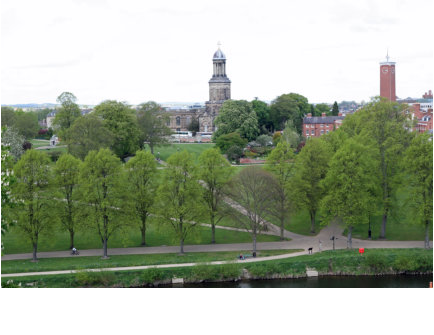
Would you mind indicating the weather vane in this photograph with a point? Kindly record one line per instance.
(219, 44)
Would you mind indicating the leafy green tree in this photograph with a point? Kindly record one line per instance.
(66, 174)
(335, 109)
(234, 153)
(311, 166)
(322, 108)
(280, 164)
(214, 172)
(14, 142)
(88, 133)
(290, 135)
(418, 166)
(251, 189)
(7, 181)
(142, 185)
(119, 118)
(179, 197)
(194, 126)
(102, 189)
(290, 106)
(350, 184)
(152, 125)
(264, 140)
(8, 116)
(381, 125)
(224, 142)
(262, 111)
(27, 124)
(31, 191)
(237, 116)
(66, 115)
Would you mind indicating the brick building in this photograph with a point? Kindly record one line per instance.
(387, 79)
(315, 126)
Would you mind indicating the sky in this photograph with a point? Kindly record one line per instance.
(136, 51)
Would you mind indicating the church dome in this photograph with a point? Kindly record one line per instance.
(219, 55)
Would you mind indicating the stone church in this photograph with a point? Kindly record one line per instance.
(219, 92)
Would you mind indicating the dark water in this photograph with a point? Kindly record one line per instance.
(328, 282)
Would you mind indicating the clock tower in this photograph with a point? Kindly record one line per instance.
(387, 79)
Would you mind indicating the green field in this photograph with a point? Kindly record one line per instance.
(39, 143)
(194, 148)
(14, 242)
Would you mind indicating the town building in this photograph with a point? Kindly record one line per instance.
(387, 79)
(219, 92)
(315, 126)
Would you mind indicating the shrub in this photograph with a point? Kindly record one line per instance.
(151, 275)
(27, 145)
(230, 270)
(92, 278)
(405, 263)
(234, 153)
(376, 263)
(265, 140)
(224, 142)
(54, 155)
(276, 138)
(205, 272)
(250, 154)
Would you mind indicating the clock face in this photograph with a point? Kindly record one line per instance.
(385, 70)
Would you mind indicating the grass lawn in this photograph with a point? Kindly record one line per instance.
(76, 263)
(39, 143)
(14, 242)
(195, 148)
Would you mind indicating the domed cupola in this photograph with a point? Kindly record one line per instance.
(218, 55)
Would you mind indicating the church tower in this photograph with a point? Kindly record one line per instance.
(387, 79)
(219, 88)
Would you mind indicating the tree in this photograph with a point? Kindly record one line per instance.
(179, 200)
(224, 142)
(322, 108)
(14, 142)
(152, 124)
(279, 163)
(262, 111)
(251, 189)
(88, 133)
(141, 173)
(102, 189)
(194, 126)
(8, 116)
(31, 192)
(234, 154)
(290, 106)
(311, 166)
(66, 174)
(350, 186)
(214, 172)
(381, 125)
(264, 140)
(27, 124)
(7, 181)
(237, 116)
(66, 115)
(119, 118)
(335, 109)
(290, 135)
(418, 166)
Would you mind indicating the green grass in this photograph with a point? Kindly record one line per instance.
(14, 242)
(374, 261)
(91, 262)
(39, 143)
(195, 149)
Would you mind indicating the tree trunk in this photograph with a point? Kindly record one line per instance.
(35, 248)
(312, 222)
(383, 225)
(212, 229)
(152, 148)
(105, 248)
(254, 242)
(143, 229)
(181, 250)
(71, 238)
(426, 234)
(282, 228)
(349, 238)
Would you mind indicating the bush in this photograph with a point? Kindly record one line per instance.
(405, 263)
(250, 154)
(224, 142)
(54, 155)
(203, 272)
(276, 138)
(265, 140)
(27, 145)
(92, 278)
(376, 263)
(230, 270)
(234, 153)
(151, 275)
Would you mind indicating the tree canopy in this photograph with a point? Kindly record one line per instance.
(290, 106)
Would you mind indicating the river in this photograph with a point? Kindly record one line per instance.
(401, 281)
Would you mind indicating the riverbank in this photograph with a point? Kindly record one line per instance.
(375, 262)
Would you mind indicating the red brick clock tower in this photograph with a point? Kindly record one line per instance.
(387, 79)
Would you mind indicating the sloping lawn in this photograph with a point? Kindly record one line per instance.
(195, 148)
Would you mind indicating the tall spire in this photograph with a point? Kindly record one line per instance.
(387, 56)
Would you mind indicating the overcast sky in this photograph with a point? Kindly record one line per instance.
(136, 51)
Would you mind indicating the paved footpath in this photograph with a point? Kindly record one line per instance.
(297, 242)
